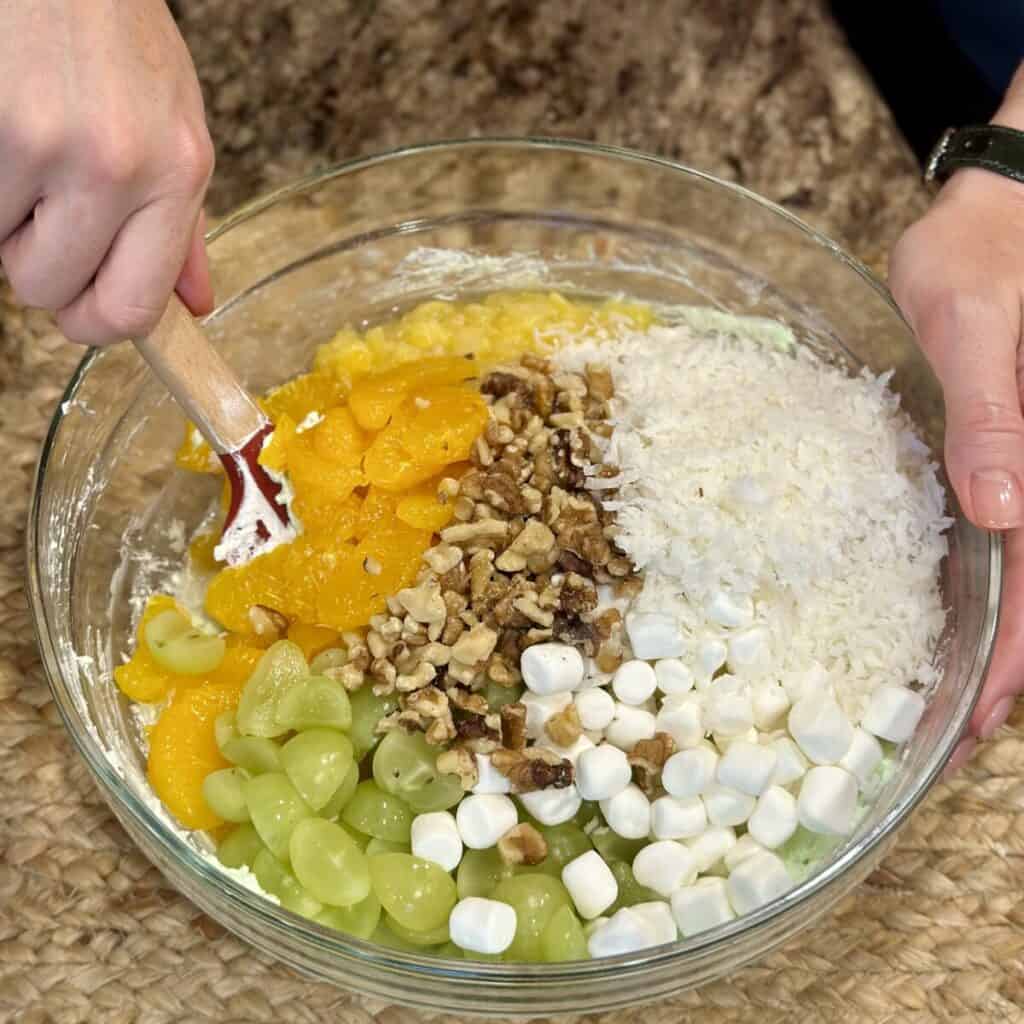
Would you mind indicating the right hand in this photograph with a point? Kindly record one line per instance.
(104, 162)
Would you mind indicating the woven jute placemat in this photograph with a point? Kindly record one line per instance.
(761, 92)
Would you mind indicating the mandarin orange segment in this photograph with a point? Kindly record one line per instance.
(421, 508)
(375, 399)
(275, 451)
(200, 552)
(432, 430)
(377, 507)
(338, 438)
(310, 392)
(183, 751)
(312, 639)
(386, 560)
(141, 678)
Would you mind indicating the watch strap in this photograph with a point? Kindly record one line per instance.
(992, 147)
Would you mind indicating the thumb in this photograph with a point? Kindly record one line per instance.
(194, 285)
(972, 345)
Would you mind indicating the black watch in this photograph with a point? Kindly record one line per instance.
(989, 146)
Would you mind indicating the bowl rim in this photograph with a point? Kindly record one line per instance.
(285, 923)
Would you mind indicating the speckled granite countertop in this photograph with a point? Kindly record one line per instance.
(762, 92)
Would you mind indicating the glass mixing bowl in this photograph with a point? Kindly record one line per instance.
(350, 245)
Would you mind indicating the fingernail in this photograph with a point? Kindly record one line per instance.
(996, 717)
(962, 754)
(997, 499)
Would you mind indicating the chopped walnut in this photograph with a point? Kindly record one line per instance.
(461, 763)
(513, 726)
(267, 622)
(430, 702)
(522, 844)
(475, 646)
(533, 768)
(442, 558)
(348, 675)
(424, 603)
(564, 728)
(647, 759)
(423, 674)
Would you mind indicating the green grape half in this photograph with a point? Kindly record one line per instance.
(317, 762)
(375, 846)
(177, 646)
(240, 846)
(417, 893)
(565, 842)
(588, 811)
(224, 794)
(405, 764)
(384, 936)
(224, 729)
(328, 863)
(281, 667)
(613, 847)
(276, 879)
(341, 796)
(480, 872)
(535, 898)
(450, 951)
(563, 938)
(630, 890)
(359, 920)
(433, 937)
(376, 813)
(367, 710)
(276, 808)
(254, 754)
(315, 702)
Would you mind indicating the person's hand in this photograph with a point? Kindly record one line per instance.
(958, 275)
(104, 162)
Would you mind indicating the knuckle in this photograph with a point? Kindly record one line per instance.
(194, 158)
(114, 158)
(987, 420)
(122, 318)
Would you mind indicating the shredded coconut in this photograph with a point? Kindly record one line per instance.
(759, 471)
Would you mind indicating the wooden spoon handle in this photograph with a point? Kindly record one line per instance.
(194, 372)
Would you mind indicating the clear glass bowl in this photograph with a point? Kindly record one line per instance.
(350, 245)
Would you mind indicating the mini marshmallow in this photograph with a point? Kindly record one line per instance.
(435, 837)
(790, 764)
(591, 884)
(489, 779)
(729, 709)
(757, 881)
(634, 681)
(893, 713)
(665, 866)
(624, 932)
(689, 772)
(481, 925)
(828, 801)
(658, 916)
(630, 726)
(708, 849)
(701, 906)
(654, 635)
(747, 767)
(591, 927)
(602, 772)
(551, 806)
(749, 650)
(628, 813)
(746, 846)
(863, 757)
(483, 819)
(551, 668)
(727, 806)
(596, 709)
(770, 702)
(673, 676)
(774, 819)
(540, 709)
(723, 743)
(710, 657)
(580, 744)
(731, 611)
(682, 717)
(672, 818)
(820, 728)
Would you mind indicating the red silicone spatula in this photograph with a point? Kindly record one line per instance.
(205, 387)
